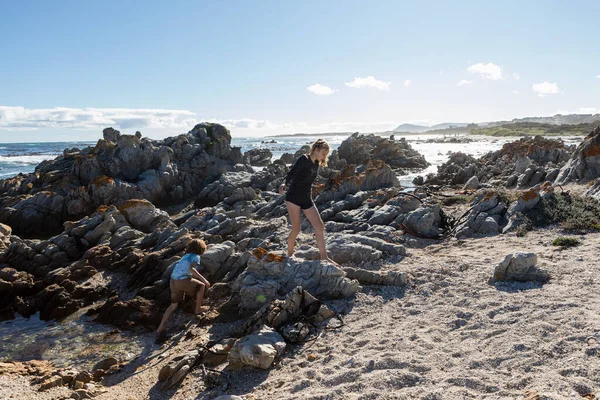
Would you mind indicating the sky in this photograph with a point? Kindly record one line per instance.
(68, 69)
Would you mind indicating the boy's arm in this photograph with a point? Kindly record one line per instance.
(199, 276)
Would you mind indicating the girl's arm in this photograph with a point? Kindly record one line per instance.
(296, 168)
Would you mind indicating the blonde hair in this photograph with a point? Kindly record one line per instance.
(318, 145)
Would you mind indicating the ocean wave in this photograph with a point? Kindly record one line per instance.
(27, 160)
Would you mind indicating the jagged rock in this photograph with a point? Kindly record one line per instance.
(137, 312)
(373, 175)
(124, 234)
(51, 382)
(485, 216)
(120, 167)
(111, 135)
(215, 257)
(299, 303)
(268, 274)
(143, 216)
(525, 161)
(390, 278)
(287, 158)
(519, 267)
(472, 183)
(177, 368)
(521, 165)
(217, 354)
(424, 220)
(5, 232)
(359, 149)
(257, 350)
(258, 157)
(584, 164)
(81, 394)
(594, 191)
(296, 332)
(105, 364)
(270, 177)
(229, 186)
(303, 150)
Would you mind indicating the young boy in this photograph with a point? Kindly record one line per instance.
(185, 279)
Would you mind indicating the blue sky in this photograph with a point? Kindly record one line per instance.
(70, 68)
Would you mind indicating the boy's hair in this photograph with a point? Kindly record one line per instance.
(196, 246)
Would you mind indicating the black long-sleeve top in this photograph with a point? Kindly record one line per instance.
(303, 174)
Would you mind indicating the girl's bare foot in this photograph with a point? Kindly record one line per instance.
(331, 261)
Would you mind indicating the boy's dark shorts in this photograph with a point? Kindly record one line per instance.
(179, 287)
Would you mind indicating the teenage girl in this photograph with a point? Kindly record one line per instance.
(298, 183)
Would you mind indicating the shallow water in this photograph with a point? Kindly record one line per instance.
(74, 342)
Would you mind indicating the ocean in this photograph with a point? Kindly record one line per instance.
(24, 157)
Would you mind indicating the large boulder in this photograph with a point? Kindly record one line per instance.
(118, 168)
(359, 149)
(5, 232)
(268, 274)
(584, 165)
(524, 162)
(519, 267)
(257, 350)
(258, 157)
(144, 216)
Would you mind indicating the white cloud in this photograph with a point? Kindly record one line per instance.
(91, 118)
(369, 82)
(407, 83)
(487, 71)
(597, 76)
(159, 122)
(464, 82)
(545, 88)
(516, 76)
(516, 92)
(321, 90)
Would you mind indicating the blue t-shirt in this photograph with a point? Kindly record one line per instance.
(183, 267)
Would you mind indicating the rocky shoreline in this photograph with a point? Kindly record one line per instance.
(104, 225)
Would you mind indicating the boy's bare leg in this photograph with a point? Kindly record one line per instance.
(199, 299)
(163, 323)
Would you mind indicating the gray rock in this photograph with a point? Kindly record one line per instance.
(358, 149)
(584, 164)
(267, 275)
(521, 165)
(472, 183)
(424, 220)
(519, 267)
(257, 350)
(258, 157)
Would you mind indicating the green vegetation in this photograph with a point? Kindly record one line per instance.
(535, 128)
(571, 213)
(566, 242)
(458, 199)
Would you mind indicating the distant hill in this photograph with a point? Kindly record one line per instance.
(536, 128)
(411, 128)
(558, 119)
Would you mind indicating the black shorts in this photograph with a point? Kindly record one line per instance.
(302, 201)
